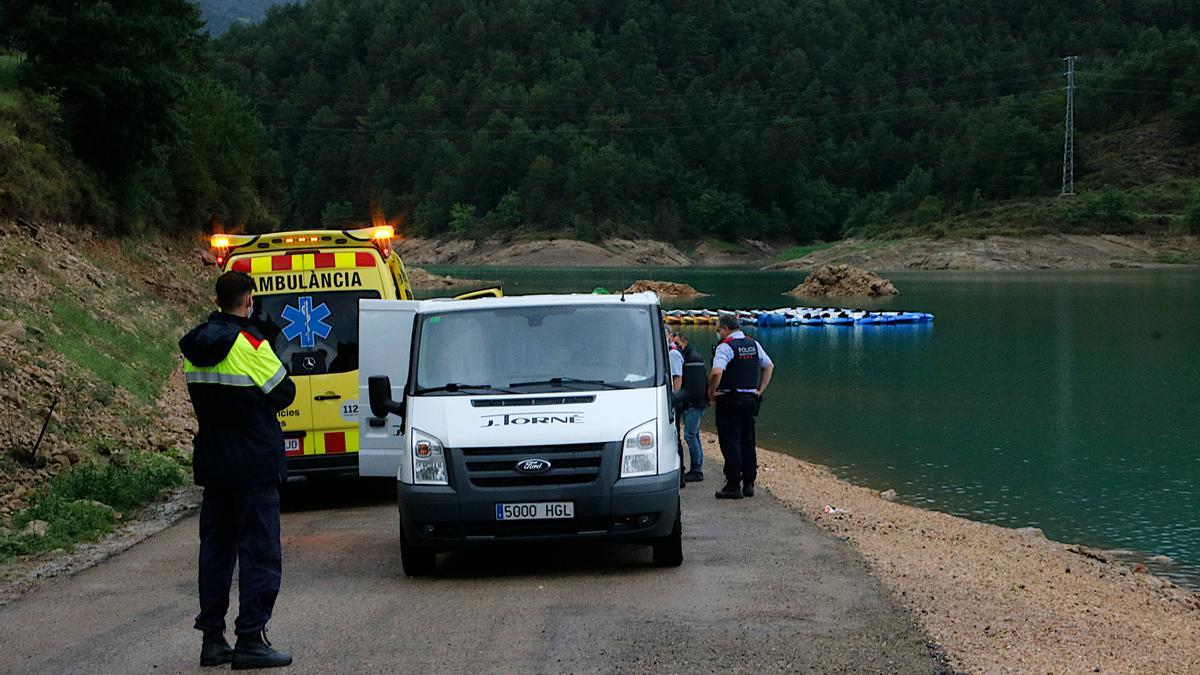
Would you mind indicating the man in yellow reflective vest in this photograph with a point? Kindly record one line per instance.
(237, 384)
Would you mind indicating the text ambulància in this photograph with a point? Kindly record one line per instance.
(308, 281)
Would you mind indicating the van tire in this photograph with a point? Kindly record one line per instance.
(417, 562)
(668, 552)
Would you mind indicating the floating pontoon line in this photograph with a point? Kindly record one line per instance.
(797, 316)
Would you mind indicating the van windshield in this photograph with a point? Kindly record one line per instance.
(313, 333)
(536, 349)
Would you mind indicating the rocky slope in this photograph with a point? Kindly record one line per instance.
(1000, 252)
(541, 252)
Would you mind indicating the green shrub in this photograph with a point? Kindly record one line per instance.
(1176, 258)
(1110, 206)
(127, 482)
(1191, 218)
(88, 501)
(928, 211)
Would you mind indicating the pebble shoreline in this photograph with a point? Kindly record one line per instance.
(996, 599)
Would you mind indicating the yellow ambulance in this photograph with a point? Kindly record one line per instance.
(307, 288)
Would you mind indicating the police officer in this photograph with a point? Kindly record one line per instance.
(237, 384)
(741, 371)
(691, 394)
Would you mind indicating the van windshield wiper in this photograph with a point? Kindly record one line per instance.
(458, 386)
(565, 381)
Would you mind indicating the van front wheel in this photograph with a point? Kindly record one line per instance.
(668, 552)
(417, 562)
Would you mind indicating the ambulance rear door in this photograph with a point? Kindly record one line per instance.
(307, 306)
(295, 420)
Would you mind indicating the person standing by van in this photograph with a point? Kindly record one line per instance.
(237, 384)
(740, 374)
(675, 363)
(693, 401)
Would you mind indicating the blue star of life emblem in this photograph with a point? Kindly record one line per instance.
(307, 322)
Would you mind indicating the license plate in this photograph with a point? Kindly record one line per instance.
(535, 510)
(293, 446)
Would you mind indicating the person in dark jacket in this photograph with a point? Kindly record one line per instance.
(237, 384)
(692, 400)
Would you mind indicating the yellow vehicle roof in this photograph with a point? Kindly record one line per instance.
(235, 244)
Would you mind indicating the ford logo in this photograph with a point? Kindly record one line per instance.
(533, 465)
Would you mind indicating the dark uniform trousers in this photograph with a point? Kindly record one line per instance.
(735, 413)
(239, 525)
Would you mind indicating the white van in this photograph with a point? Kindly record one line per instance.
(523, 418)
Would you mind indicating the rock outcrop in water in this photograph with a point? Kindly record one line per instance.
(844, 281)
(665, 289)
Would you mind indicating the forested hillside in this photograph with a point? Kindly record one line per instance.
(803, 119)
(219, 15)
(109, 116)
(786, 120)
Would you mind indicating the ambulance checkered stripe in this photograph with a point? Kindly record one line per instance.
(302, 262)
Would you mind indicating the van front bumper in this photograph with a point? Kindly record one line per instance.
(629, 509)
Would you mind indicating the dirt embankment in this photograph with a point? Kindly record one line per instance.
(574, 253)
(746, 253)
(541, 252)
(88, 325)
(998, 599)
(1066, 251)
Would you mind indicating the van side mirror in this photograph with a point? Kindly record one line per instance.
(379, 387)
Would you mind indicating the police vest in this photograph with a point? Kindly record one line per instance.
(742, 370)
(695, 379)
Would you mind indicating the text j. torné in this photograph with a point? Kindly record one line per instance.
(532, 418)
(311, 280)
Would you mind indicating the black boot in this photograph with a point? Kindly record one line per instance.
(254, 651)
(732, 490)
(748, 489)
(215, 651)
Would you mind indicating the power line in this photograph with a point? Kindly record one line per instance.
(665, 127)
(885, 84)
(718, 101)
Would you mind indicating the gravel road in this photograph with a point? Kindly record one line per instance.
(761, 589)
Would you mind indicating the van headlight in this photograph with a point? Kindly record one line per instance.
(429, 459)
(639, 451)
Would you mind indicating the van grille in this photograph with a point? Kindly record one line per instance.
(574, 464)
(518, 402)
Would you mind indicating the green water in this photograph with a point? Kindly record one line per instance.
(1068, 401)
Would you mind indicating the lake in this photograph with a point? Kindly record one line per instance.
(1067, 401)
